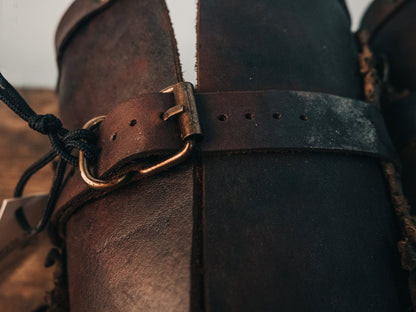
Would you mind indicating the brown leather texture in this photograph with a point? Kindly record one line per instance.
(110, 265)
(128, 252)
(134, 132)
(252, 121)
(127, 62)
(79, 12)
(255, 69)
(229, 231)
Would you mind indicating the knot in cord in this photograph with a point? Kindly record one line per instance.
(63, 143)
(62, 140)
(80, 139)
(45, 124)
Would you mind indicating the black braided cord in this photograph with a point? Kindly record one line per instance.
(63, 142)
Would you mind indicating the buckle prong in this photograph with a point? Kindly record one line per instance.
(185, 108)
(173, 111)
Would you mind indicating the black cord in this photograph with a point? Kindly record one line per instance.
(18, 191)
(63, 142)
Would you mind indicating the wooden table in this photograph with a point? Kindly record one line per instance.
(23, 287)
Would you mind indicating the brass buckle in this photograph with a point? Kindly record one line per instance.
(185, 110)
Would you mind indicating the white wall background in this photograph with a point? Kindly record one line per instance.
(27, 30)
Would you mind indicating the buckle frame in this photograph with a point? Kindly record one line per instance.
(186, 111)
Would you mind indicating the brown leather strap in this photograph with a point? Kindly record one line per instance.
(379, 13)
(79, 12)
(234, 122)
(242, 122)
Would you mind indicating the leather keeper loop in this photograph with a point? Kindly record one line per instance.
(232, 122)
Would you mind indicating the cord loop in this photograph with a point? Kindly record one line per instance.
(45, 124)
(63, 142)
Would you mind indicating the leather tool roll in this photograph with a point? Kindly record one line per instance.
(263, 220)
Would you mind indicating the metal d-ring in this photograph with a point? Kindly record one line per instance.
(186, 111)
(86, 175)
(99, 184)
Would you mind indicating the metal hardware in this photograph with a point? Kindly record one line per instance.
(190, 128)
(86, 175)
(173, 111)
(174, 160)
(185, 108)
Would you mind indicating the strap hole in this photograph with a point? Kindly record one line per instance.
(222, 117)
(249, 116)
(114, 137)
(304, 117)
(133, 123)
(277, 116)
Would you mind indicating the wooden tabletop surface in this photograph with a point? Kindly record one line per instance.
(25, 287)
(21, 146)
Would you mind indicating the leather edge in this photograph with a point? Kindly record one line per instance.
(378, 14)
(80, 12)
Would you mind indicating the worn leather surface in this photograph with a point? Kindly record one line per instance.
(394, 41)
(245, 121)
(291, 232)
(78, 14)
(146, 64)
(130, 251)
(287, 231)
(314, 122)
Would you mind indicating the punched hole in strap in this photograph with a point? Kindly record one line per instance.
(185, 112)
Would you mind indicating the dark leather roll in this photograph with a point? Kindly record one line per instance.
(243, 230)
(131, 250)
(301, 231)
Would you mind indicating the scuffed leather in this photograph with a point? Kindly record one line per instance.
(133, 133)
(287, 231)
(283, 231)
(77, 14)
(130, 251)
